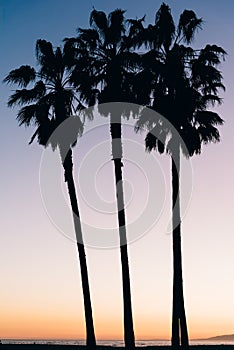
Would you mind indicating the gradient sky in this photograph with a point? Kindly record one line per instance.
(39, 271)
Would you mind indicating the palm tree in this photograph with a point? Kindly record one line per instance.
(185, 82)
(46, 99)
(107, 75)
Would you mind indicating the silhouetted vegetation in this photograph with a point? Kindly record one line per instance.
(47, 99)
(105, 74)
(104, 64)
(184, 83)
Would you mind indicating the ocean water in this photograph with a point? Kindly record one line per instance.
(114, 343)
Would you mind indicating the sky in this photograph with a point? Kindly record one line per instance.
(41, 295)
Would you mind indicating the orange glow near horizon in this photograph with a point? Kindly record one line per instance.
(72, 329)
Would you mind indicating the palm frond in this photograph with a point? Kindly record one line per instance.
(142, 92)
(89, 38)
(131, 61)
(116, 19)
(185, 52)
(21, 76)
(162, 137)
(218, 50)
(150, 142)
(116, 26)
(147, 120)
(70, 53)
(188, 25)
(156, 140)
(98, 19)
(191, 139)
(136, 26)
(49, 67)
(44, 51)
(44, 133)
(26, 115)
(209, 133)
(208, 118)
(26, 96)
(153, 61)
(206, 75)
(165, 27)
(63, 140)
(211, 99)
(211, 55)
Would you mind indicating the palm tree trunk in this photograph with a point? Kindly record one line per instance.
(115, 129)
(68, 173)
(179, 325)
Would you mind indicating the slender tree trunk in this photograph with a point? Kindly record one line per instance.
(68, 172)
(115, 129)
(179, 325)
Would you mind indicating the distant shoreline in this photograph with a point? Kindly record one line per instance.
(104, 347)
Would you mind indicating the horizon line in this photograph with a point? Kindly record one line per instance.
(109, 339)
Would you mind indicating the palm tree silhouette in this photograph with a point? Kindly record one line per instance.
(107, 75)
(47, 99)
(185, 82)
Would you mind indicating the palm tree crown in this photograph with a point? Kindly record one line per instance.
(106, 62)
(184, 82)
(46, 96)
